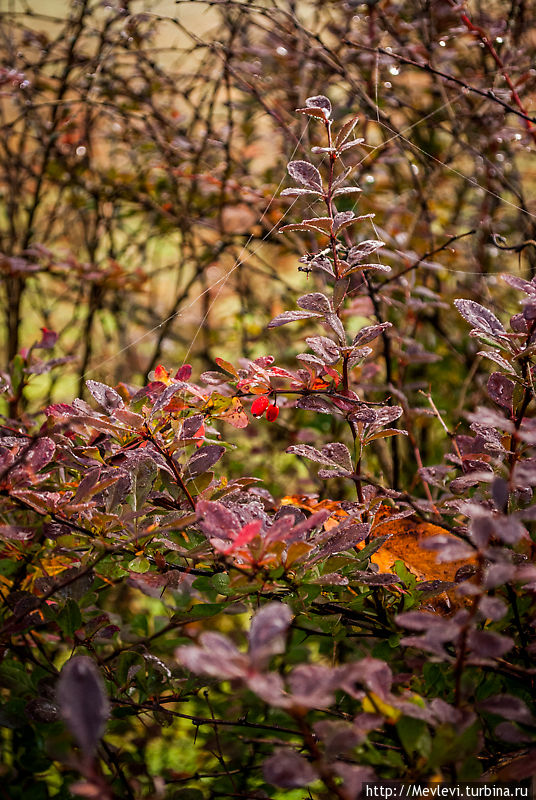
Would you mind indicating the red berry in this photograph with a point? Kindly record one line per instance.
(259, 406)
(272, 413)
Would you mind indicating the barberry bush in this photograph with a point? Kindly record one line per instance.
(175, 626)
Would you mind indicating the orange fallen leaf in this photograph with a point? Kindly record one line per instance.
(406, 544)
(309, 503)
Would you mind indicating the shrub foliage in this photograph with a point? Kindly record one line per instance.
(362, 606)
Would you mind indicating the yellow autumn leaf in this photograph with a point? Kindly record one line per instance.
(372, 704)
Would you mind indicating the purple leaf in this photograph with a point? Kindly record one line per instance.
(518, 283)
(217, 520)
(459, 485)
(376, 266)
(214, 378)
(369, 333)
(316, 301)
(492, 608)
(42, 367)
(287, 531)
(325, 474)
(509, 707)
(268, 631)
(313, 685)
(307, 451)
(495, 356)
(337, 736)
(105, 396)
(491, 418)
(288, 770)
(336, 325)
(204, 459)
(319, 113)
(363, 250)
(317, 261)
(342, 219)
(269, 687)
(290, 316)
(339, 453)
(345, 131)
(48, 339)
(385, 416)
(332, 579)
(40, 454)
(480, 317)
(305, 173)
(500, 492)
(423, 621)
(363, 414)
(511, 733)
(15, 533)
(88, 482)
(375, 578)
(444, 712)
(153, 584)
(498, 574)
(119, 485)
(164, 398)
(307, 358)
(485, 644)
(501, 390)
(82, 702)
(191, 425)
(525, 473)
(314, 403)
(342, 538)
(354, 776)
(325, 348)
(435, 476)
(307, 225)
(319, 101)
(447, 548)
(295, 192)
(372, 673)
(347, 189)
(217, 657)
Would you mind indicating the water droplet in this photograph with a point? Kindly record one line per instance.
(281, 51)
(394, 70)
(442, 43)
(81, 150)
(369, 178)
(388, 84)
(499, 40)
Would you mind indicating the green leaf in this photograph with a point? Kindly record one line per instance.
(17, 372)
(139, 564)
(414, 736)
(199, 611)
(110, 567)
(220, 582)
(404, 574)
(70, 619)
